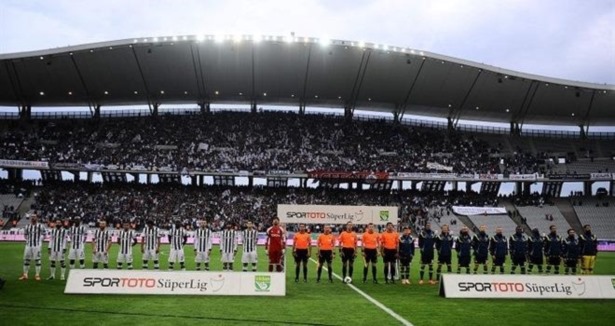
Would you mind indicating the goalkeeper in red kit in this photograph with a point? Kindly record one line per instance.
(275, 245)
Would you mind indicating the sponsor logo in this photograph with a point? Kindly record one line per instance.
(262, 283)
(322, 215)
(384, 215)
(217, 283)
(577, 288)
(144, 283)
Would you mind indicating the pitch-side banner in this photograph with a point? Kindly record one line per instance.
(331, 214)
(471, 210)
(528, 286)
(90, 281)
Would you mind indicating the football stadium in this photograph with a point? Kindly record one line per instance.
(249, 179)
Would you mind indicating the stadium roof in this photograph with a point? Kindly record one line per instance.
(293, 71)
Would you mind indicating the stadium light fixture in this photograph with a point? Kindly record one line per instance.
(477, 108)
(144, 40)
(240, 94)
(237, 38)
(315, 96)
(91, 50)
(110, 48)
(292, 95)
(136, 92)
(412, 51)
(547, 84)
(219, 38)
(162, 92)
(257, 38)
(70, 93)
(573, 114)
(70, 53)
(155, 39)
(164, 39)
(185, 92)
(216, 92)
(264, 94)
(369, 98)
(185, 38)
(450, 105)
(422, 53)
(135, 41)
(200, 38)
(42, 58)
(325, 41)
(41, 93)
(174, 38)
(106, 92)
(507, 110)
(339, 97)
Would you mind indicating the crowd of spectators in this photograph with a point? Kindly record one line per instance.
(252, 142)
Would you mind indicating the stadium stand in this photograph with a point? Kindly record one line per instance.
(494, 221)
(599, 214)
(540, 217)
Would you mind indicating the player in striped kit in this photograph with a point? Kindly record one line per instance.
(57, 249)
(77, 233)
(202, 245)
(150, 244)
(101, 243)
(34, 234)
(228, 247)
(127, 238)
(177, 239)
(249, 237)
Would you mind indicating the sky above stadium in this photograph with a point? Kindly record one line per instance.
(570, 39)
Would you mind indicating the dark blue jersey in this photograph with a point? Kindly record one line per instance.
(426, 241)
(498, 246)
(535, 246)
(463, 245)
(444, 244)
(406, 245)
(553, 245)
(517, 243)
(588, 244)
(480, 244)
(570, 248)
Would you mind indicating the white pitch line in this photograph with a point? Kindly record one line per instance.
(377, 303)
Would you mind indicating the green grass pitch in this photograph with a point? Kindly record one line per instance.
(35, 303)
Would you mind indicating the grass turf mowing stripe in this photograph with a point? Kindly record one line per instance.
(391, 313)
(136, 314)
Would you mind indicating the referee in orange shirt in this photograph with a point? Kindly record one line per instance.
(348, 246)
(371, 246)
(326, 243)
(390, 248)
(302, 250)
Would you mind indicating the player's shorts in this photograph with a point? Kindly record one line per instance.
(588, 262)
(275, 256)
(537, 260)
(32, 253)
(405, 260)
(348, 255)
(426, 258)
(390, 255)
(227, 257)
(249, 257)
(301, 255)
(100, 257)
(444, 259)
(325, 256)
(176, 256)
(554, 260)
(570, 262)
(518, 260)
(499, 260)
(202, 257)
(464, 261)
(124, 258)
(150, 255)
(371, 255)
(56, 255)
(480, 259)
(76, 254)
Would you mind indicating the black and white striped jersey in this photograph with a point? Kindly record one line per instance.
(177, 238)
(249, 238)
(228, 241)
(77, 236)
(151, 237)
(102, 239)
(34, 234)
(126, 239)
(57, 241)
(202, 239)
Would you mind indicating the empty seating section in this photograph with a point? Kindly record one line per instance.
(601, 218)
(494, 221)
(536, 218)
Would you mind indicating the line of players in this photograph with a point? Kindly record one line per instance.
(76, 233)
(397, 250)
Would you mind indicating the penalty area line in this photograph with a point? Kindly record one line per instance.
(369, 298)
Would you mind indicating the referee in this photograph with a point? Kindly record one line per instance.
(390, 247)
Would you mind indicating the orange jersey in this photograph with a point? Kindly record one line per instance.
(326, 241)
(302, 240)
(390, 240)
(370, 240)
(348, 239)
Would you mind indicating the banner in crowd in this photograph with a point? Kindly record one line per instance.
(334, 214)
(523, 177)
(348, 175)
(602, 176)
(472, 210)
(422, 175)
(439, 167)
(24, 164)
(278, 172)
(88, 281)
(528, 286)
(488, 176)
(66, 166)
(569, 176)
